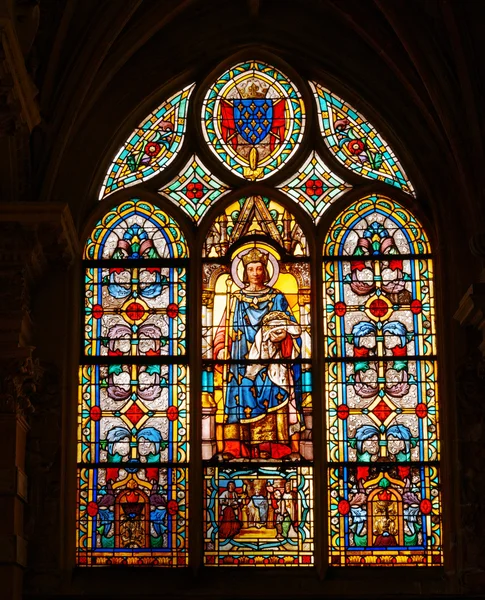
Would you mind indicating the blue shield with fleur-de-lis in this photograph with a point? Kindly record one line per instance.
(253, 118)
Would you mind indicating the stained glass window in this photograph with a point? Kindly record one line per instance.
(355, 142)
(255, 408)
(381, 389)
(195, 189)
(152, 146)
(133, 419)
(315, 186)
(256, 388)
(253, 119)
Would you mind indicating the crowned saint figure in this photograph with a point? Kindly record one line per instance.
(262, 393)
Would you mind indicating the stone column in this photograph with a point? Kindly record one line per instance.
(470, 384)
(32, 237)
(18, 377)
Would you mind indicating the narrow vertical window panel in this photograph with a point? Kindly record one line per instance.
(133, 420)
(381, 388)
(257, 389)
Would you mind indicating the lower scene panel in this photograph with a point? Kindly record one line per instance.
(258, 516)
(132, 516)
(383, 515)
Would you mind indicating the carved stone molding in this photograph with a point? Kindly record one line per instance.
(471, 311)
(37, 233)
(19, 377)
(33, 237)
(18, 105)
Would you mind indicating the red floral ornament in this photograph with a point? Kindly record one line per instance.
(314, 187)
(98, 311)
(172, 310)
(355, 147)
(425, 506)
(340, 309)
(343, 412)
(152, 148)
(172, 507)
(172, 413)
(95, 413)
(92, 509)
(194, 190)
(344, 507)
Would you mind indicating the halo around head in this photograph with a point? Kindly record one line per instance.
(254, 254)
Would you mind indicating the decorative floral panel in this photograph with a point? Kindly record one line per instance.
(355, 142)
(152, 146)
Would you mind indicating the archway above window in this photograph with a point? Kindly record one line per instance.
(152, 145)
(355, 142)
(136, 229)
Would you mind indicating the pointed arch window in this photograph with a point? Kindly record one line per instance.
(133, 446)
(235, 161)
(256, 395)
(381, 388)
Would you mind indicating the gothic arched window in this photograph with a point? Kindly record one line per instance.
(292, 391)
(134, 391)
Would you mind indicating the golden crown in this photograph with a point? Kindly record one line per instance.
(253, 89)
(254, 256)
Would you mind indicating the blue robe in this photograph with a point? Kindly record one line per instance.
(247, 400)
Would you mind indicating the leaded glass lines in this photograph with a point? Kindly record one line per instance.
(355, 142)
(195, 189)
(315, 186)
(152, 146)
(381, 388)
(253, 119)
(133, 446)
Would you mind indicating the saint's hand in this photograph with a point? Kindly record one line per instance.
(277, 335)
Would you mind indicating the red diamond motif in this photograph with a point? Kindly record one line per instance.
(134, 413)
(382, 411)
